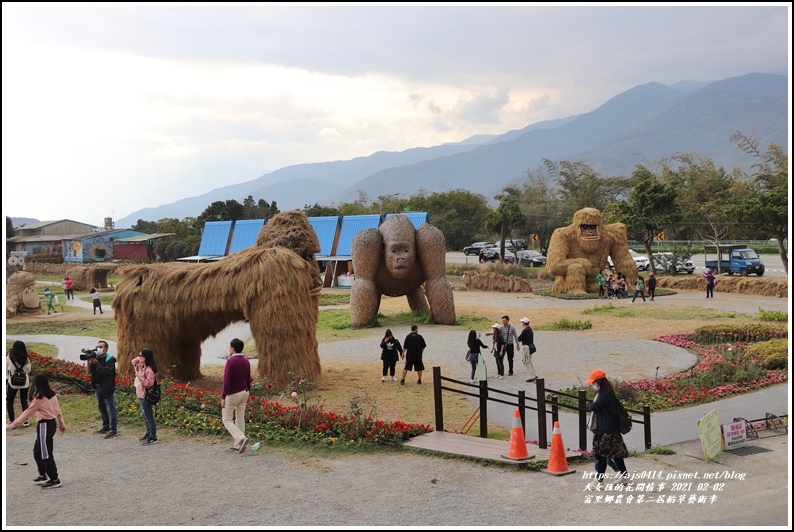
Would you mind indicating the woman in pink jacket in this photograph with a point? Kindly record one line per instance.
(44, 403)
(145, 375)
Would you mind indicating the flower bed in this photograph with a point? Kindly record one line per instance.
(198, 411)
(725, 368)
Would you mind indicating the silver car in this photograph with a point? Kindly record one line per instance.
(530, 257)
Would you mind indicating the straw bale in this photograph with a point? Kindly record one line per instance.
(21, 294)
(172, 308)
(90, 276)
(759, 286)
(495, 282)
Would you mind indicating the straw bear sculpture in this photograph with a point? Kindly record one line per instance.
(579, 251)
(274, 285)
(397, 260)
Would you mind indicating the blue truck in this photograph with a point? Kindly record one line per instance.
(737, 259)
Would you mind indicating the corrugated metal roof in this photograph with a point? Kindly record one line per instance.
(245, 233)
(352, 225)
(214, 238)
(325, 227)
(417, 218)
(144, 238)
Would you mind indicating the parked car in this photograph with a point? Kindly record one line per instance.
(475, 248)
(530, 257)
(519, 244)
(492, 255)
(663, 261)
(641, 261)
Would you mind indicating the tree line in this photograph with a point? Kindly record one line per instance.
(684, 196)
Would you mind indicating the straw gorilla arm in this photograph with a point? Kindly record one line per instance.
(579, 251)
(396, 260)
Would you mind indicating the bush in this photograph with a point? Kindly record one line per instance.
(772, 354)
(717, 334)
(772, 315)
(568, 325)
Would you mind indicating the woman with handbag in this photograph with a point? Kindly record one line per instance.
(17, 363)
(527, 340)
(145, 377)
(473, 356)
(605, 425)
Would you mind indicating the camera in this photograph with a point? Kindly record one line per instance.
(87, 354)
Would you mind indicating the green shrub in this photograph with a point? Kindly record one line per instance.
(752, 332)
(772, 315)
(772, 354)
(568, 325)
(658, 449)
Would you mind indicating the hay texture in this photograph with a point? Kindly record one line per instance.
(87, 277)
(579, 251)
(21, 296)
(495, 282)
(757, 286)
(398, 260)
(172, 308)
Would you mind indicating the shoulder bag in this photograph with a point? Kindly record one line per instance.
(153, 393)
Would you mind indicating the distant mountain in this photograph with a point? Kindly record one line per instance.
(638, 126)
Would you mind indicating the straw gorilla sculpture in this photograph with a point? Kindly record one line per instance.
(579, 251)
(395, 260)
(275, 285)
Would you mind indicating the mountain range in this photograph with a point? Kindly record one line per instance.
(638, 126)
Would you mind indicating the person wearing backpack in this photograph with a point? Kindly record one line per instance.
(17, 378)
(145, 376)
(639, 288)
(605, 425)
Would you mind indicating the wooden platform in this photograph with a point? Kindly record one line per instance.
(475, 447)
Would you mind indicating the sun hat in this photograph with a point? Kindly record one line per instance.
(595, 375)
(524, 320)
(496, 326)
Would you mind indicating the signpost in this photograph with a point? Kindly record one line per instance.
(734, 435)
(710, 435)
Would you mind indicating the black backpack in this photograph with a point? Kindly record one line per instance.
(18, 378)
(624, 419)
(153, 393)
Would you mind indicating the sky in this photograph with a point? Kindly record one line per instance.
(111, 108)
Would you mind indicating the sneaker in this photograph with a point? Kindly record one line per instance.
(25, 424)
(110, 434)
(383, 379)
(51, 484)
(40, 478)
(394, 379)
(510, 374)
(150, 441)
(402, 382)
(596, 485)
(103, 430)
(621, 479)
(419, 381)
(234, 448)
(499, 377)
(144, 437)
(243, 443)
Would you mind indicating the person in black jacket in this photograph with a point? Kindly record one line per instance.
(390, 354)
(607, 439)
(475, 346)
(103, 378)
(651, 286)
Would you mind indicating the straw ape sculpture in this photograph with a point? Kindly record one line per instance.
(275, 285)
(579, 251)
(395, 260)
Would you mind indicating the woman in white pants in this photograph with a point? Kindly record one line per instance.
(527, 340)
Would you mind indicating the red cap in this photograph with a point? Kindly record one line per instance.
(595, 375)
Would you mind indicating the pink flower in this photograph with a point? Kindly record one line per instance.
(294, 395)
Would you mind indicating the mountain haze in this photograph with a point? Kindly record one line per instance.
(638, 126)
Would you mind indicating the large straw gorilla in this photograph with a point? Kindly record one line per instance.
(579, 251)
(275, 285)
(396, 260)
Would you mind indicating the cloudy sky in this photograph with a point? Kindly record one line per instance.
(110, 108)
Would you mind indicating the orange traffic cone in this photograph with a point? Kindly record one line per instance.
(558, 463)
(518, 445)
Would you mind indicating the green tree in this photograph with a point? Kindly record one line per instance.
(459, 214)
(506, 217)
(765, 199)
(581, 186)
(145, 227)
(320, 210)
(649, 209)
(543, 209)
(9, 228)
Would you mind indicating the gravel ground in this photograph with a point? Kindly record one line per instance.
(118, 482)
(178, 483)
